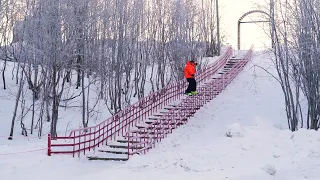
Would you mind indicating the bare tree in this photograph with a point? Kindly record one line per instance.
(114, 43)
(295, 33)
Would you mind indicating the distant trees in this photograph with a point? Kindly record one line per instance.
(66, 49)
(296, 35)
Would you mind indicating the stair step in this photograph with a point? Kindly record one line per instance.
(172, 105)
(141, 127)
(149, 122)
(113, 152)
(167, 108)
(149, 127)
(141, 137)
(153, 118)
(174, 116)
(164, 112)
(215, 90)
(146, 132)
(158, 114)
(164, 123)
(235, 59)
(126, 141)
(106, 158)
(123, 146)
(188, 108)
(207, 94)
(209, 83)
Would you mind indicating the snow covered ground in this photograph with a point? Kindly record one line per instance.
(240, 135)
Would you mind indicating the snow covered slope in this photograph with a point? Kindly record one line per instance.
(240, 135)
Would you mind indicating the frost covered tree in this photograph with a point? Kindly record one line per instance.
(296, 36)
(94, 53)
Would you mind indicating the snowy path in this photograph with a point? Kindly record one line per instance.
(250, 109)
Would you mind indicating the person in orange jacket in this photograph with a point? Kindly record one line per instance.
(189, 73)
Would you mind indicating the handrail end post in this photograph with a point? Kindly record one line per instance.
(49, 144)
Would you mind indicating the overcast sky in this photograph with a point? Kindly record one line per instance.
(230, 12)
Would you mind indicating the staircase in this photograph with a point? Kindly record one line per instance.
(139, 127)
(156, 127)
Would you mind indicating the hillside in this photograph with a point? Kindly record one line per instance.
(240, 135)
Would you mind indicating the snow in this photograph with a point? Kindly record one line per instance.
(240, 135)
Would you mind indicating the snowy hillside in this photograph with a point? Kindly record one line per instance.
(240, 135)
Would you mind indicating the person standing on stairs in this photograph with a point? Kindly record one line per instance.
(189, 74)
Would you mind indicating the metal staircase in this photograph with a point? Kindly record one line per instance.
(159, 125)
(138, 128)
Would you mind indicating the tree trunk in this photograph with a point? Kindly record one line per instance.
(3, 74)
(84, 123)
(55, 103)
(16, 106)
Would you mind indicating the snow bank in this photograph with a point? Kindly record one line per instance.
(257, 149)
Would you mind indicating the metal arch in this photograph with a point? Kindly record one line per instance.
(246, 14)
(251, 12)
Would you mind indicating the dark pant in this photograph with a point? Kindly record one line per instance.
(192, 85)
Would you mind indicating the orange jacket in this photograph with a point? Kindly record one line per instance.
(189, 70)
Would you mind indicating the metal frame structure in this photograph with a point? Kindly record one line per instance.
(246, 14)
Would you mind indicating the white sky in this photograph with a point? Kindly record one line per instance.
(230, 11)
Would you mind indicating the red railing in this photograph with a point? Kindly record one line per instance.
(81, 140)
(140, 141)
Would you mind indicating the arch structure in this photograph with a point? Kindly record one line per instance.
(246, 14)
